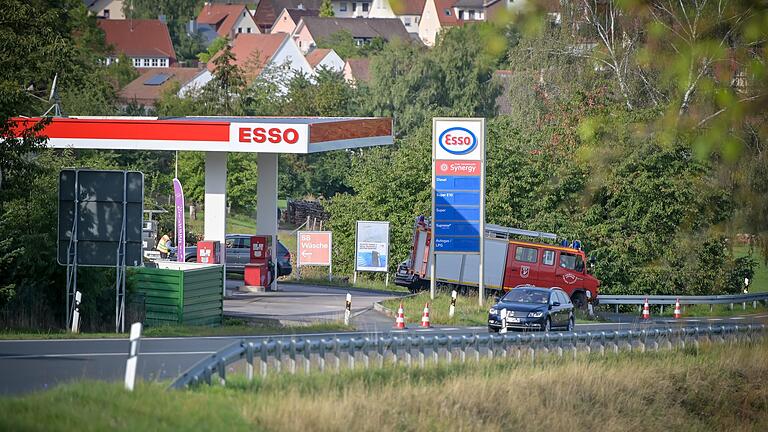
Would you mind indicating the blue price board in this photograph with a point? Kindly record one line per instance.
(457, 229)
(457, 244)
(457, 198)
(457, 214)
(457, 183)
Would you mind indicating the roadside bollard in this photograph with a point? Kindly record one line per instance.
(503, 321)
(348, 309)
(133, 354)
(76, 313)
(452, 309)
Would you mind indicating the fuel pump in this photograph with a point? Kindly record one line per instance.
(257, 272)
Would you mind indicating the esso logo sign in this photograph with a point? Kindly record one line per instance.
(458, 140)
(272, 135)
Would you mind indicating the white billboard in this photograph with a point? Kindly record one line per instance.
(372, 246)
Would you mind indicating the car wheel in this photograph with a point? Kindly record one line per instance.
(547, 325)
(579, 300)
(571, 324)
(192, 259)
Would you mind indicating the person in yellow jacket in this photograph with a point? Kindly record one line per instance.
(164, 246)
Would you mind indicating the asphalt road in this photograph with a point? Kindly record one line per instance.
(32, 365)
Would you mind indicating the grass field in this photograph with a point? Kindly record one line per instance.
(760, 281)
(230, 328)
(714, 388)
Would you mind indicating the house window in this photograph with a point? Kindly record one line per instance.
(239, 29)
(354, 6)
(154, 62)
(365, 7)
(447, 12)
(343, 7)
(106, 13)
(136, 62)
(146, 62)
(248, 30)
(164, 62)
(471, 14)
(407, 21)
(461, 14)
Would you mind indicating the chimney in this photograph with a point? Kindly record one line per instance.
(300, 6)
(161, 18)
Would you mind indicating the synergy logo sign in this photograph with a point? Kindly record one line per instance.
(458, 140)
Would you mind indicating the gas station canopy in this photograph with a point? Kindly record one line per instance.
(218, 134)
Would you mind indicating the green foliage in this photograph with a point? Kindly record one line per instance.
(122, 71)
(326, 9)
(346, 47)
(217, 45)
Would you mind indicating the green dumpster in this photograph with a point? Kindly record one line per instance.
(180, 293)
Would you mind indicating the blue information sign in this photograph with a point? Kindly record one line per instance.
(457, 244)
(457, 213)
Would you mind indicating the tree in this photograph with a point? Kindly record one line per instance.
(227, 83)
(217, 45)
(326, 9)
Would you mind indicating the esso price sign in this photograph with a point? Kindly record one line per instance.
(458, 141)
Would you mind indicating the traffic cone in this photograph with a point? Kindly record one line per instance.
(400, 320)
(677, 308)
(646, 310)
(425, 316)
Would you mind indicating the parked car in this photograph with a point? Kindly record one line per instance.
(533, 308)
(238, 254)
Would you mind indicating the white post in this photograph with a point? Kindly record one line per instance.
(266, 203)
(76, 313)
(386, 279)
(452, 309)
(348, 309)
(354, 278)
(133, 356)
(215, 224)
(503, 321)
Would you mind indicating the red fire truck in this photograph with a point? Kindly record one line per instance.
(509, 262)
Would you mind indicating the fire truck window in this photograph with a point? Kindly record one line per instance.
(525, 254)
(548, 258)
(567, 260)
(579, 264)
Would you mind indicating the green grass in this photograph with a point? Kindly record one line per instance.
(717, 310)
(232, 327)
(468, 312)
(710, 388)
(236, 224)
(759, 282)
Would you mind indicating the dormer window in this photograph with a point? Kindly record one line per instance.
(447, 12)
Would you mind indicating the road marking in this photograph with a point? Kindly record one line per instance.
(737, 318)
(715, 319)
(34, 356)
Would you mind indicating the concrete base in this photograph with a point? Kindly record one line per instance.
(252, 288)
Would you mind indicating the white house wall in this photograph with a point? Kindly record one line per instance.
(290, 55)
(429, 26)
(245, 22)
(196, 84)
(331, 61)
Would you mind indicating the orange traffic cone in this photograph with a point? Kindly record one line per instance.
(425, 316)
(677, 308)
(646, 310)
(400, 320)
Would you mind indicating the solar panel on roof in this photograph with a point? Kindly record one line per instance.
(157, 79)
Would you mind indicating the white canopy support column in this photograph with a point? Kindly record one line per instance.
(216, 203)
(266, 202)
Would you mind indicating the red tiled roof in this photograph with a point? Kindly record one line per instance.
(360, 69)
(139, 38)
(317, 55)
(222, 16)
(141, 92)
(407, 7)
(447, 19)
(253, 51)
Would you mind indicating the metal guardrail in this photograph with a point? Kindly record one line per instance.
(662, 300)
(324, 355)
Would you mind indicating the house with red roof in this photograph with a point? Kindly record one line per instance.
(268, 10)
(409, 12)
(357, 71)
(227, 19)
(254, 54)
(145, 41)
(324, 58)
(147, 89)
(288, 19)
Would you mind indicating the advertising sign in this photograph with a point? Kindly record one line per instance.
(313, 248)
(178, 193)
(458, 184)
(372, 246)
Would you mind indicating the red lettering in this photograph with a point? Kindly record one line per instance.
(274, 136)
(294, 136)
(259, 135)
(245, 135)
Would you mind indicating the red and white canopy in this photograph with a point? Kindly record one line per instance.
(224, 134)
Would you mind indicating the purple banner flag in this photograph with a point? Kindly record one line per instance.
(180, 234)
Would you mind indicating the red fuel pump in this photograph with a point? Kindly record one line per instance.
(209, 252)
(257, 271)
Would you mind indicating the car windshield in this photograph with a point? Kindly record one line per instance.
(524, 295)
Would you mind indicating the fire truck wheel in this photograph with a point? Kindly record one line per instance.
(579, 300)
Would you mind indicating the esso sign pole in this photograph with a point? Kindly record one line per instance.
(458, 165)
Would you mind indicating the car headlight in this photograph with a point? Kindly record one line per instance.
(493, 311)
(535, 314)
